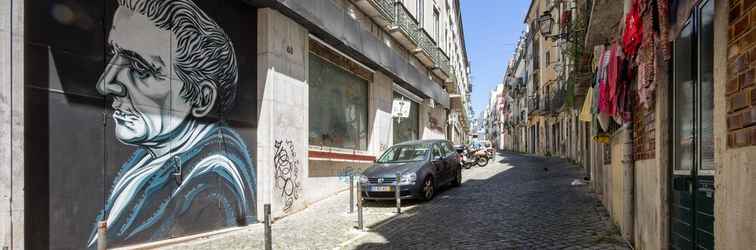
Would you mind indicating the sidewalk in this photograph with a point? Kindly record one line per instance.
(324, 225)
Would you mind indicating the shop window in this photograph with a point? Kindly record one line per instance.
(338, 106)
(406, 129)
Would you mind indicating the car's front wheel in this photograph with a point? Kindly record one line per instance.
(428, 189)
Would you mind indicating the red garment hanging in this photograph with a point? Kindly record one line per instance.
(631, 39)
(613, 79)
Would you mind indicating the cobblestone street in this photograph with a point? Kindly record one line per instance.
(511, 203)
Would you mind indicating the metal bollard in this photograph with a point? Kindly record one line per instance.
(102, 235)
(360, 224)
(268, 233)
(351, 194)
(398, 195)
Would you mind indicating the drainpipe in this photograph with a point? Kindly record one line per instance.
(628, 185)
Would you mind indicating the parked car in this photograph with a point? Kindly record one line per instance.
(424, 167)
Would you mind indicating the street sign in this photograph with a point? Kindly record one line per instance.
(401, 108)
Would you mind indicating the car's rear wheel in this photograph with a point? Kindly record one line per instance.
(429, 189)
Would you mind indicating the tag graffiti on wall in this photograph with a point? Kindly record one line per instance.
(287, 172)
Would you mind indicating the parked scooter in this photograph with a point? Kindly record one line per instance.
(472, 157)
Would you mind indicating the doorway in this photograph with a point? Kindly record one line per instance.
(692, 191)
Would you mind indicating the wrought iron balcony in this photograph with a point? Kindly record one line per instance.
(556, 100)
(405, 27)
(425, 47)
(535, 106)
(442, 65)
(382, 12)
(385, 8)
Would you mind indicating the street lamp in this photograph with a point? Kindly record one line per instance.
(545, 21)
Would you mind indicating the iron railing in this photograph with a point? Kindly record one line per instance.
(406, 22)
(441, 60)
(534, 104)
(425, 42)
(556, 100)
(386, 8)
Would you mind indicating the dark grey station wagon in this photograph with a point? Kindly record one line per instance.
(424, 166)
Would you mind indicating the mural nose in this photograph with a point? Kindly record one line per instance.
(108, 83)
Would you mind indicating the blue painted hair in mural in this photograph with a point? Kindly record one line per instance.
(171, 66)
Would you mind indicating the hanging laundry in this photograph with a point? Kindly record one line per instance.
(602, 81)
(603, 121)
(662, 7)
(598, 52)
(632, 36)
(613, 78)
(585, 111)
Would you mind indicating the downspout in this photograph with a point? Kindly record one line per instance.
(628, 185)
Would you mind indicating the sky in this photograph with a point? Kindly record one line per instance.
(491, 28)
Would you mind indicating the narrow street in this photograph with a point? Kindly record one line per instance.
(511, 203)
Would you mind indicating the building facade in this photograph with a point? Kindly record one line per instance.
(166, 119)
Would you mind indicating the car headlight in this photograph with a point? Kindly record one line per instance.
(408, 178)
(363, 179)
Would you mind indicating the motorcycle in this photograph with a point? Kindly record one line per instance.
(472, 157)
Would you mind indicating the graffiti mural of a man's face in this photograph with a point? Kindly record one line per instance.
(140, 77)
(172, 65)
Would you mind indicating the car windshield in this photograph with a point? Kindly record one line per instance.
(405, 153)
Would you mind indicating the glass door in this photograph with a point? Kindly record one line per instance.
(692, 196)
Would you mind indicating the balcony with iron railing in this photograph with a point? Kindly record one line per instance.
(425, 47)
(405, 26)
(383, 12)
(535, 105)
(442, 66)
(402, 26)
(556, 100)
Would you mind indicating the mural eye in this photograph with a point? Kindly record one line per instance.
(140, 71)
(141, 74)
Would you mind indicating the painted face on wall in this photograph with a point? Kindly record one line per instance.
(141, 78)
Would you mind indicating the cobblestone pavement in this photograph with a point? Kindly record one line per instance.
(511, 203)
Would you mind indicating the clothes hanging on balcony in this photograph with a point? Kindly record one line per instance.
(631, 38)
(602, 76)
(598, 52)
(585, 111)
(609, 93)
(662, 7)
